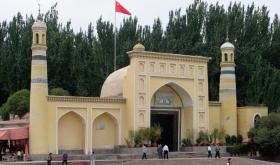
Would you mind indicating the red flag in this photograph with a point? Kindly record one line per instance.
(121, 9)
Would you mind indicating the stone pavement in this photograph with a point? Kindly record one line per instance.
(176, 161)
(200, 161)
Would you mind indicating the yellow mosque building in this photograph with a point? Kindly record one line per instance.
(169, 89)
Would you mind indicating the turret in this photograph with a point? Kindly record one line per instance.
(227, 92)
(38, 132)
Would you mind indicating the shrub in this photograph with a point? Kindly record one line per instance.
(130, 140)
(145, 135)
(209, 138)
(155, 133)
(239, 139)
(189, 136)
(186, 142)
(237, 149)
(204, 137)
(198, 140)
(233, 139)
(227, 139)
(137, 138)
(215, 134)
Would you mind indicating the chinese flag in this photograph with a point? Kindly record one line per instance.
(121, 9)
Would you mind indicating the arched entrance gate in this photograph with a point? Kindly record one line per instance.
(171, 108)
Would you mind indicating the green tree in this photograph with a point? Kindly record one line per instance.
(267, 135)
(4, 114)
(18, 103)
(59, 92)
(127, 36)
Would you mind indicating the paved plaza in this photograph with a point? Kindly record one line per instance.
(199, 161)
(179, 161)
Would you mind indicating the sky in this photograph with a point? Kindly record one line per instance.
(82, 12)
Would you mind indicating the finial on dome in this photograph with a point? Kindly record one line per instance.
(39, 10)
(139, 47)
(227, 39)
(227, 44)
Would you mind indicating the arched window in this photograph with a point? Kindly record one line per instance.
(43, 38)
(256, 119)
(226, 57)
(231, 57)
(37, 38)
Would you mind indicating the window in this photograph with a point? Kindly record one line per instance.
(37, 38)
(231, 57)
(43, 38)
(226, 57)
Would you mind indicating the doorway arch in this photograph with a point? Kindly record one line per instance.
(171, 107)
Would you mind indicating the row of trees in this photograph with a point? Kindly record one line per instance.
(80, 62)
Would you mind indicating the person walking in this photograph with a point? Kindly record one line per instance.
(64, 158)
(217, 149)
(159, 150)
(49, 159)
(209, 151)
(92, 159)
(229, 161)
(144, 149)
(165, 151)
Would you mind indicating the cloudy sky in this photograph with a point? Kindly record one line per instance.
(81, 12)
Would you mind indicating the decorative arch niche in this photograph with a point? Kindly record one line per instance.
(67, 140)
(257, 117)
(104, 131)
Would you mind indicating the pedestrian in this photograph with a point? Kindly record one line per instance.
(209, 151)
(229, 161)
(165, 151)
(49, 159)
(159, 150)
(92, 159)
(144, 149)
(1, 155)
(217, 149)
(64, 158)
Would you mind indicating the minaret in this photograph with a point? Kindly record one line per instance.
(228, 89)
(38, 132)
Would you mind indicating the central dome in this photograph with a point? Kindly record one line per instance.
(113, 85)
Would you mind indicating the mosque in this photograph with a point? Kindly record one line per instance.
(169, 89)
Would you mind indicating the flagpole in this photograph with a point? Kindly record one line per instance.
(115, 40)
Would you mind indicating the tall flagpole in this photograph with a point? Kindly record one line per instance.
(115, 40)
